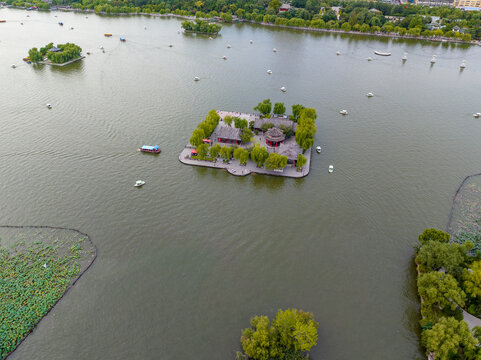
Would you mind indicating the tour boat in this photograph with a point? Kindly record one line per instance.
(382, 53)
(369, 58)
(331, 168)
(283, 89)
(318, 149)
(224, 57)
(150, 149)
(49, 106)
(269, 72)
(338, 53)
(139, 183)
(343, 112)
(476, 115)
(122, 38)
(369, 94)
(196, 78)
(463, 64)
(107, 34)
(228, 46)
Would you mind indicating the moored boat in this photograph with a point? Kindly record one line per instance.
(382, 53)
(139, 183)
(122, 38)
(107, 34)
(150, 149)
(318, 149)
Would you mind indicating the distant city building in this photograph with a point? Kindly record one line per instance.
(285, 7)
(435, 3)
(465, 4)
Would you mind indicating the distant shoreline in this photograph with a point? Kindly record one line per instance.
(336, 31)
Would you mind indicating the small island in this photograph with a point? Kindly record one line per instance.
(60, 55)
(201, 27)
(265, 143)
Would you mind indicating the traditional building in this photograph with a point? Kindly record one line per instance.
(229, 135)
(274, 137)
(276, 121)
(290, 149)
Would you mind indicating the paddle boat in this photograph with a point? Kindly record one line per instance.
(150, 149)
(476, 115)
(283, 89)
(60, 23)
(107, 34)
(122, 39)
(224, 57)
(139, 183)
(370, 94)
(318, 149)
(196, 78)
(380, 53)
(49, 106)
(369, 58)
(228, 46)
(338, 53)
(170, 45)
(269, 71)
(433, 59)
(405, 57)
(13, 66)
(211, 38)
(343, 112)
(331, 168)
(251, 42)
(463, 64)
(275, 50)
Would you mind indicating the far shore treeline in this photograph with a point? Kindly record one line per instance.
(366, 17)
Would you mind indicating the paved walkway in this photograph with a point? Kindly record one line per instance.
(235, 168)
(471, 320)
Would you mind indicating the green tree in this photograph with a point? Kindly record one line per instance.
(197, 136)
(440, 292)
(296, 328)
(34, 55)
(240, 123)
(472, 280)
(301, 161)
(202, 151)
(296, 112)
(242, 155)
(266, 126)
(434, 255)
(279, 108)
(365, 28)
(228, 120)
(448, 338)
(225, 152)
(246, 135)
(434, 235)
(214, 151)
(259, 155)
(346, 27)
(264, 107)
(275, 161)
(260, 341)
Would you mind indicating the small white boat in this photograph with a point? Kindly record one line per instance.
(331, 168)
(433, 59)
(369, 58)
(251, 42)
(380, 53)
(196, 78)
(275, 50)
(343, 112)
(370, 94)
(318, 149)
(338, 53)
(405, 57)
(210, 38)
(101, 47)
(139, 183)
(228, 46)
(49, 106)
(224, 57)
(269, 71)
(463, 64)
(283, 89)
(13, 66)
(170, 45)
(476, 115)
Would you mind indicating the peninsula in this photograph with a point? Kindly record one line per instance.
(265, 143)
(60, 55)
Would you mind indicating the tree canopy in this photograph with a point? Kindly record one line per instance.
(259, 155)
(434, 255)
(279, 108)
(275, 161)
(264, 107)
(201, 26)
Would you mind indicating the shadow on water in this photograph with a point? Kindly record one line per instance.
(76, 66)
(267, 181)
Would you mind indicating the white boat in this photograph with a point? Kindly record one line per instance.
(338, 53)
(49, 106)
(405, 57)
(380, 53)
(228, 46)
(463, 64)
(250, 41)
(269, 71)
(13, 66)
(283, 89)
(275, 50)
(369, 58)
(139, 183)
(101, 47)
(224, 57)
(318, 149)
(433, 59)
(369, 94)
(210, 38)
(343, 112)
(196, 78)
(331, 168)
(170, 45)
(476, 115)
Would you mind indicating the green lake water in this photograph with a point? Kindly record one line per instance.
(185, 261)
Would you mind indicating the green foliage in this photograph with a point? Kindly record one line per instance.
(434, 235)
(266, 126)
(28, 289)
(264, 107)
(306, 128)
(228, 120)
(242, 155)
(287, 130)
(226, 152)
(246, 135)
(201, 26)
(35, 55)
(204, 129)
(440, 292)
(202, 151)
(275, 161)
(434, 255)
(301, 161)
(197, 136)
(69, 52)
(279, 109)
(296, 112)
(448, 339)
(214, 151)
(240, 123)
(293, 332)
(472, 280)
(259, 155)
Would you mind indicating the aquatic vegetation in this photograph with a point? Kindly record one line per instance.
(34, 275)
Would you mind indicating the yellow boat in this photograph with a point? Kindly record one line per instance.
(107, 34)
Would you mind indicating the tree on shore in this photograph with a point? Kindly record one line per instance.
(264, 107)
(275, 161)
(434, 255)
(242, 155)
(214, 151)
(228, 120)
(202, 151)
(279, 109)
(197, 136)
(240, 123)
(296, 112)
(246, 135)
(259, 155)
(226, 152)
(301, 161)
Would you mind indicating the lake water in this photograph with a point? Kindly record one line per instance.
(185, 261)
